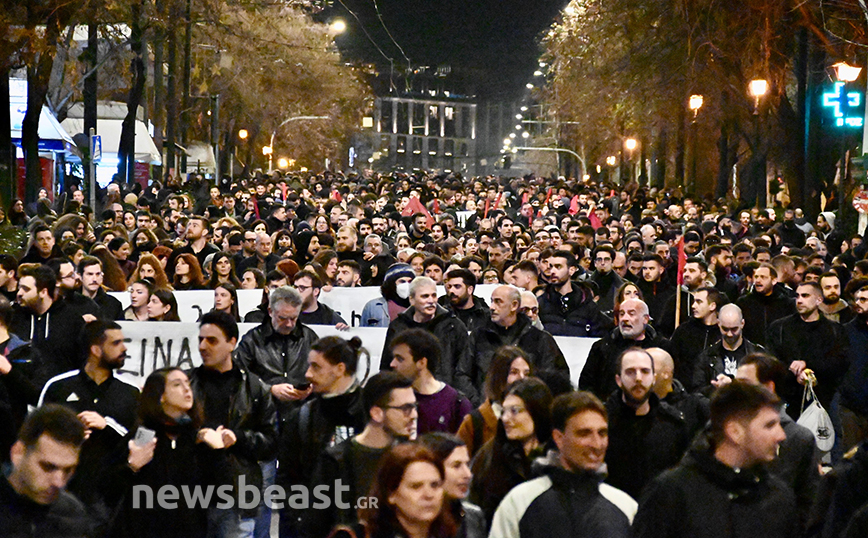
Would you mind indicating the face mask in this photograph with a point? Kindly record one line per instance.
(403, 290)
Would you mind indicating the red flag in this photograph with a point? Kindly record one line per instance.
(415, 206)
(595, 222)
(574, 204)
(487, 207)
(436, 206)
(682, 261)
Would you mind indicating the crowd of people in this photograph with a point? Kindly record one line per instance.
(712, 323)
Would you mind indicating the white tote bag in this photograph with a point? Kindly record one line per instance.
(816, 419)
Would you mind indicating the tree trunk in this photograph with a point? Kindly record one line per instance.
(680, 141)
(38, 75)
(659, 159)
(89, 95)
(171, 96)
(8, 168)
(158, 111)
(127, 147)
(723, 167)
(185, 91)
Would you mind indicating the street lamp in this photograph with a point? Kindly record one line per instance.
(630, 145)
(845, 72)
(695, 103)
(757, 89)
(282, 163)
(242, 134)
(338, 26)
(267, 151)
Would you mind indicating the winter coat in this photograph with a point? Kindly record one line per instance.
(712, 363)
(598, 375)
(454, 344)
(642, 447)
(540, 346)
(854, 385)
(703, 498)
(574, 314)
(473, 317)
(563, 503)
(759, 311)
(688, 342)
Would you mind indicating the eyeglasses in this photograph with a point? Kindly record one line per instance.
(407, 409)
(513, 410)
(303, 289)
(530, 310)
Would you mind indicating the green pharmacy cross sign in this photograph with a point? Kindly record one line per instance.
(845, 105)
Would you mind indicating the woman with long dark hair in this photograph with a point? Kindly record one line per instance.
(226, 300)
(522, 434)
(163, 306)
(180, 455)
(223, 270)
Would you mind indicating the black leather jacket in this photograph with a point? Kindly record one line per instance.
(252, 417)
(276, 358)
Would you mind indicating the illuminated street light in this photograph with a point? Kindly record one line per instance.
(242, 134)
(518, 127)
(525, 134)
(266, 150)
(630, 144)
(611, 160)
(338, 26)
(512, 135)
(282, 163)
(845, 72)
(524, 109)
(507, 141)
(537, 73)
(529, 86)
(518, 116)
(757, 89)
(695, 104)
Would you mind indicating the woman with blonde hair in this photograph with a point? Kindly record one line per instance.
(149, 266)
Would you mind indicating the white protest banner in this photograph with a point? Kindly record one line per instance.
(153, 344)
(348, 302)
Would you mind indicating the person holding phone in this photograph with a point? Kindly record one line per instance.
(170, 447)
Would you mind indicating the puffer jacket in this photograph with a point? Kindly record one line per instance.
(760, 311)
(573, 314)
(252, 417)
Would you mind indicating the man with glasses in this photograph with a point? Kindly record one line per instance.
(391, 409)
(314, 312)
(68, 282)
(718, 364)
(605, 278)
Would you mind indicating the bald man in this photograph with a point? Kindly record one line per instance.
(693, 406)
(598, 375)
(509, 327)
(718, 363)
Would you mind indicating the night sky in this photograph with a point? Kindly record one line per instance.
(493, 42)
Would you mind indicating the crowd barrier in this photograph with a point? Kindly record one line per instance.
(154, 344)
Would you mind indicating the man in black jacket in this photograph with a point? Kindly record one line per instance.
(598, 375)
(33, 501)
(508, 327)
(721, 488)
(567, 308)
(106, 406)
(809, 341)
(50, 325)
(91, 271)
(764, 304)
(425, 313)
(313, 312)
(717, 365)
(263, 258)
(238, 405)
(646, 436)
(459, 299)
(696, 334)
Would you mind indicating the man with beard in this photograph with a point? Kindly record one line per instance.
(313, 312)
(196, 234)
(566, 307)
(50, 325)
(391, 408)
(719, 258)
(854, 386)
(695, 275)
(634, 330)
(105, 404)
(646, 436)
(459, 298)
(655, 287)
(809, 341)
(68, 282)
(833, 307)
(764, 305)
(717, 365)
